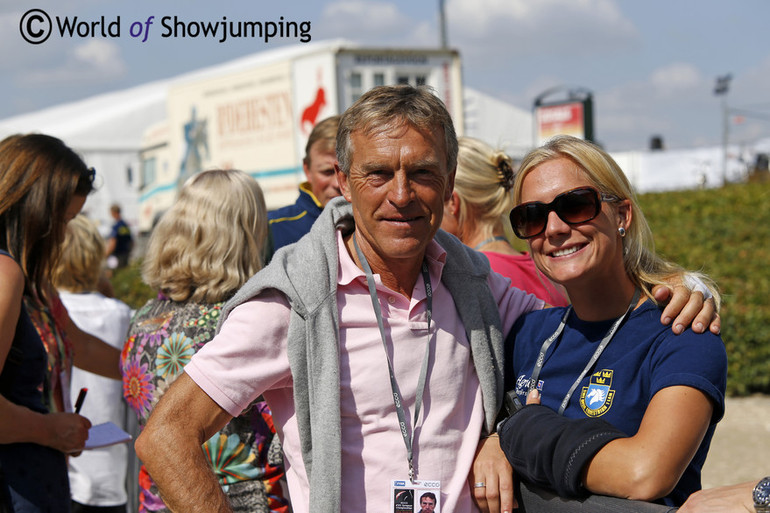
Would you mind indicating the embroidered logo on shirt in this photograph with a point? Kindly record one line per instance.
(522, 385)
(596, 398)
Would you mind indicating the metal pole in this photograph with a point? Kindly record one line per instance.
(725, 128)
(724, 140)
(721, 89)
(442, 24)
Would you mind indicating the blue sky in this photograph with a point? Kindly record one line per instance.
(651, 65)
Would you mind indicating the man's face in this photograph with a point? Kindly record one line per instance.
(319, 171)
(398, 183)
(427, 504)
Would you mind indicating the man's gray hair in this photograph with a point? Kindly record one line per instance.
(396, 105)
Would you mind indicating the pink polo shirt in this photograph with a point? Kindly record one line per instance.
(249, 358)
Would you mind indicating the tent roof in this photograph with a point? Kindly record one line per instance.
(115, 121)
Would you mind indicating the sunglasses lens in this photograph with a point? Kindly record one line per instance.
(572, 207)
(528, 220)
(578, 206)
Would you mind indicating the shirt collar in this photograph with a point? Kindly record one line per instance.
(305, 187)
(348, 271)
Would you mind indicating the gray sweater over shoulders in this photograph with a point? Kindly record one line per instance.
(306, 273)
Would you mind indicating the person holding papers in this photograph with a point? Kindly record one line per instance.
(43, 184)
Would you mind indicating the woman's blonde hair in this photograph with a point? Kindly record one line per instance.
(211, 240)
(645, 268)
(484, 183)
(82, 255)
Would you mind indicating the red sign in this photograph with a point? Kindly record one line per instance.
(560, 119)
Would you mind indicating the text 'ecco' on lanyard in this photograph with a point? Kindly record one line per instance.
(606, 340)
(397, 400)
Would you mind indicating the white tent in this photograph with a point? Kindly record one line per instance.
(497, 123)
(107, 129)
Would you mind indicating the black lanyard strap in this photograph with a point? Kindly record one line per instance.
(397, 397)
(594, 357)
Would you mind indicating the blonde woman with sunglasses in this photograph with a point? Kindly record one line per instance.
(616, 403)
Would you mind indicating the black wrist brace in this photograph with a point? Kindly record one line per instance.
(549, 450)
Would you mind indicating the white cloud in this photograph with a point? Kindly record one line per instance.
(373, 22)
(94, 61)
(100, 55)
(676, 78)
(542, 27)
(748, 98)
(750, 87)
(674, 101)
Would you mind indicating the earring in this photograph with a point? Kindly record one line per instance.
(622, 232)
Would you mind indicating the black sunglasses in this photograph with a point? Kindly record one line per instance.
(573, 207)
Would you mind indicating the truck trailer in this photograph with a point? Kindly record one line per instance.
(257, 114)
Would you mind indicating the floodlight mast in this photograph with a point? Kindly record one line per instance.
(721, 88)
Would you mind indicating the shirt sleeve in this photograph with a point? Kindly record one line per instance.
(695, 360)
(513, 302)
(248, 356)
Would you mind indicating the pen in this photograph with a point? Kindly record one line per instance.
(81, 398)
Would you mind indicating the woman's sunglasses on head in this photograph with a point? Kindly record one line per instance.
(573, 207)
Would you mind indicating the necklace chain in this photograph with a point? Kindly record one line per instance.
(490, 241)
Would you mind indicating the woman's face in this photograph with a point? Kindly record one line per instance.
(585, 254)
(73, 209)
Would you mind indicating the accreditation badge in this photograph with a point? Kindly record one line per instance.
(413, 497)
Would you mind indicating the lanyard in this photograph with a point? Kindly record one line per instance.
(591, 362)
(397, 401)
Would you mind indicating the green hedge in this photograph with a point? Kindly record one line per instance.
(128, 286)
(725, 233)
(722, 232)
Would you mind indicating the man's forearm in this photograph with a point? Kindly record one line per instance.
(190, 486)
(170, 448)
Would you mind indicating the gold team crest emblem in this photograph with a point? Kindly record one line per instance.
(596, 398)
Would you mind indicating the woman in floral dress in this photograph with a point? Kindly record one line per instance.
(202, 250)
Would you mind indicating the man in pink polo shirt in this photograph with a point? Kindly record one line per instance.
(376, 339)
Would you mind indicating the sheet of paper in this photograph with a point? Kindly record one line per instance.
(102, 435)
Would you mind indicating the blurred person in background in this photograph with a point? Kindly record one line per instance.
(288, 224)
(200, 253)
(98, 476)
(476, 213)
(120, 242)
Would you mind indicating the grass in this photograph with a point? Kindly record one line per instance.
(725, 233)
